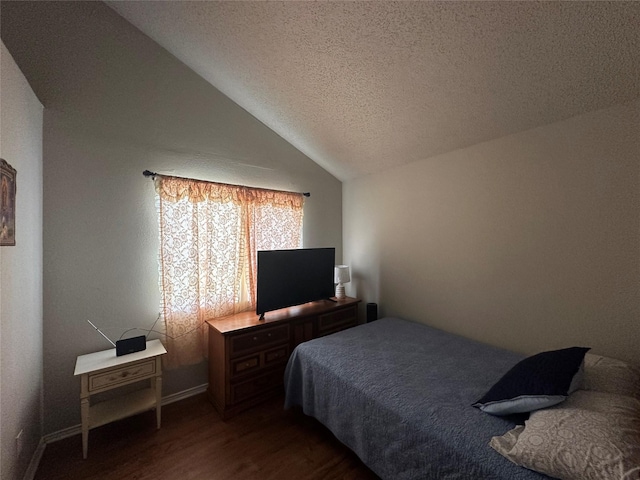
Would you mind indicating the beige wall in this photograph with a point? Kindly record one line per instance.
(529, 242)
(21, 275)
(117, 104)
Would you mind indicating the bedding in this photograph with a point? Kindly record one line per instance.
(400, 395)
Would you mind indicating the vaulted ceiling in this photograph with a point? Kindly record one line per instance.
(364, 86)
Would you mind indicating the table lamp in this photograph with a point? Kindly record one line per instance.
(341, 276)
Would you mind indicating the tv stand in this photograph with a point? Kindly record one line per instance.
(248, 355)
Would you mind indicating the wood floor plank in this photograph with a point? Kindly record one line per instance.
(194, 443)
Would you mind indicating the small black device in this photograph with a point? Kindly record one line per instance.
(128, 345)
(372, 312)
(131, 345)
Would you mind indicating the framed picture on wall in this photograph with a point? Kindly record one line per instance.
(7, 204)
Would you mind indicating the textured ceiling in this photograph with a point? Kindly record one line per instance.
(360, 87)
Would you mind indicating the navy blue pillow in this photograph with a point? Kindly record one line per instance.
(539, 381)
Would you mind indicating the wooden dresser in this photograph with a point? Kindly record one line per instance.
(247, 356)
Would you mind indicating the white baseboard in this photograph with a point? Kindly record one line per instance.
(35, 461)
(77, 429)
(190, 392)
(62, 434)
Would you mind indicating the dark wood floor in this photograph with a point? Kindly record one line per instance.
(263, 443)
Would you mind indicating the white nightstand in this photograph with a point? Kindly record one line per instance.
(102, 371)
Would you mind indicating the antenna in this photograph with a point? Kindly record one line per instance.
(98, 330)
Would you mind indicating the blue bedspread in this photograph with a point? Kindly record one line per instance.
(399, 394)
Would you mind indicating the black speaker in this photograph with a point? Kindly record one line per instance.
(372, 312)
(131, 345)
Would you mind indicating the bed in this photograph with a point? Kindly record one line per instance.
(400, 395)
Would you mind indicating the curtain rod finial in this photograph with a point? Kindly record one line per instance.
(148, 173)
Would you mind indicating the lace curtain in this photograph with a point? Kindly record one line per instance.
(209, 237)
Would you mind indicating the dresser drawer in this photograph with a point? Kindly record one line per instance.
(339, 320)
(258, 339)
(245, 365)
(276, 355)
(122, 376)
(259, 360)
(245, 390)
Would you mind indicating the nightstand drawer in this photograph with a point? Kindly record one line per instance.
(335, 321)
(259, 339)
(122, 376)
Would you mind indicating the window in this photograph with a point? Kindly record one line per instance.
(209, 237)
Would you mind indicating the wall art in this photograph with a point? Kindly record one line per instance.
(7, 204)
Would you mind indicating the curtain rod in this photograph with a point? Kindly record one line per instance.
(152, 175)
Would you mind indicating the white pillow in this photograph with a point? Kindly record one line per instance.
(604, 374)
(590, 436)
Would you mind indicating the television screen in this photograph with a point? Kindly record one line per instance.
(293, 277)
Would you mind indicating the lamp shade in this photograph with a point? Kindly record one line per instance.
(341, 274)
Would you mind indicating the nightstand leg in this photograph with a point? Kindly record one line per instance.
(157, 385)
(84, 408)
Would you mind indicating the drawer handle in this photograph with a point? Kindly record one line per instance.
(268, 334)
(255, 339)
(124, 374)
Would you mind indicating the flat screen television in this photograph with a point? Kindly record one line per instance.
(293, 277)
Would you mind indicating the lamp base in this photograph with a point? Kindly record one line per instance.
(340, 292)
